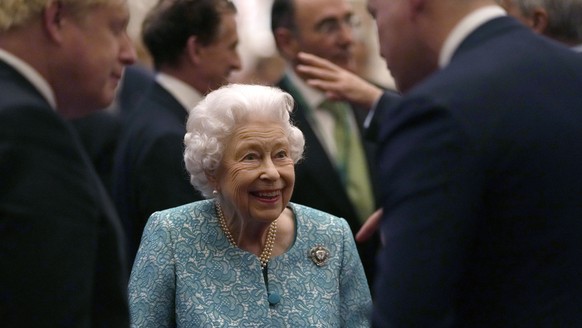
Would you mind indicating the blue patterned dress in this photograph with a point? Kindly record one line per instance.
(187, 274)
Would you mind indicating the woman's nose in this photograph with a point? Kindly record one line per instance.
(269, 170)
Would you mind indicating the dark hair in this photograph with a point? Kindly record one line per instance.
(170, 23)
(282, 14)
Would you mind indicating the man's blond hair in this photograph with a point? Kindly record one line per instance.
(16, 13)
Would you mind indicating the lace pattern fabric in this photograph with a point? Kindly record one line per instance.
(187, 274)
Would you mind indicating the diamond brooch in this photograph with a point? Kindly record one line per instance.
(319, 255)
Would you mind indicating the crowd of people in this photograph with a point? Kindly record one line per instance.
(165, 195)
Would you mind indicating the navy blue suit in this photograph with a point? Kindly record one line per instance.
(149, 172)
(61, 258)
(482, 189)
(99, 134)
(137, 79)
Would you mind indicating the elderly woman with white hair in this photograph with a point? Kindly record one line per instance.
(246, 256)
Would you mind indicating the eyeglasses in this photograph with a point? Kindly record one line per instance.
(334, 26)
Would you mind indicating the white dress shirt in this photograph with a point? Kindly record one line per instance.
(185, 94)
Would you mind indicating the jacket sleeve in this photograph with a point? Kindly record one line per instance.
(431, 201)
(152, 282)
(356, 302)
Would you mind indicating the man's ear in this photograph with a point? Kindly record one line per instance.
(416, 7)
(194, 49)
(286, 42)
(539, 20)
(52, 20)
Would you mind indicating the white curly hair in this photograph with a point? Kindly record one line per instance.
(215, 118)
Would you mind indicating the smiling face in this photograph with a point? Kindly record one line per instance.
(96, 48)
(256, 176)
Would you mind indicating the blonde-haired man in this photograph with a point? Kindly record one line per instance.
(61, 252)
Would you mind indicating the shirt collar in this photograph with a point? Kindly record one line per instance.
(312, 96)
(186, 95)
(465, 27)
(31, 74)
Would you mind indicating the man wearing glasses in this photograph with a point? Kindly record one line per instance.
(336, 175)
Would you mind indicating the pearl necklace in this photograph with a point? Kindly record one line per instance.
(271, 235)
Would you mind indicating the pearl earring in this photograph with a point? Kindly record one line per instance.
(215, 192)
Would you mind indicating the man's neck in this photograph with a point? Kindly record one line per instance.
(469, 23)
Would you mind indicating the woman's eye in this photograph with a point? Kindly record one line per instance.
(282, 154)
(250, 157)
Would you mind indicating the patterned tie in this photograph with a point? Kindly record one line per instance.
(350, 159)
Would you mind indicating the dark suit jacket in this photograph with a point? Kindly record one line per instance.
(61, 261)
(317, 182)
(149, 170)
(137, 79)
(99, 134)
(388, 99)
(482, 190)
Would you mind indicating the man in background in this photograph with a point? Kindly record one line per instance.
(336, 175)
(193, 47)
(560, 20)
(62, 261)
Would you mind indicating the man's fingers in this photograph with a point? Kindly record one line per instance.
(371, 225)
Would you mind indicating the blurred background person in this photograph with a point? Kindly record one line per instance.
(262, 62)
(193, 47)
(100, 131)
(138, 77)
(61, 246)
(337, 175)
(560, 20)
(247, 256)
(481, 183)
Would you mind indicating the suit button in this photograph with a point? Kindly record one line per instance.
(274, 298)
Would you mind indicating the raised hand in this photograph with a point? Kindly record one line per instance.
(338, 83)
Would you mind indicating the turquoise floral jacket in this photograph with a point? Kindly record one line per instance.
(187, 274)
